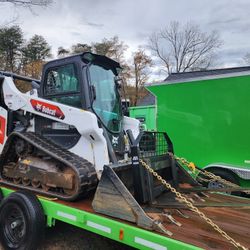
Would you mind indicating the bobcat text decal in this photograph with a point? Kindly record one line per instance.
(47, 108)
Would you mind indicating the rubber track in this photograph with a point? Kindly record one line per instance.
(85, 171)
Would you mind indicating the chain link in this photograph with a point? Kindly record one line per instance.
(212, 176)
(183, 199)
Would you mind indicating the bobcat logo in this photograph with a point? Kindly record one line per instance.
(115, 140)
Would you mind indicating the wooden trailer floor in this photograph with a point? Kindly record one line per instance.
(235, 221)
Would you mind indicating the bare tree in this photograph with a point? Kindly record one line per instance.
(183, 48)
(140, 72)
(113, 48)
(62, 52)
(28, 3)
(110, 47)
(80, 47)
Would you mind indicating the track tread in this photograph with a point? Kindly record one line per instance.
(85, 170)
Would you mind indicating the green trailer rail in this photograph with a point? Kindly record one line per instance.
(108, 227)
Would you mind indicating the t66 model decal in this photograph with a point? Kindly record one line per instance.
(47, 108)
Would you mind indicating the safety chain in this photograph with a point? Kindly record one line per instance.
(212, 176)
(183, 199)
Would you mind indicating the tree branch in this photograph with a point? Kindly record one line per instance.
(182, 48)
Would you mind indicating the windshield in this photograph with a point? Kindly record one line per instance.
(107, 102)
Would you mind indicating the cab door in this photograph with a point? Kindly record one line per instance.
(61, 84)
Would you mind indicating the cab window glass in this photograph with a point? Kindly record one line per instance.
(107, 103)
(62, 86)
(62, 79)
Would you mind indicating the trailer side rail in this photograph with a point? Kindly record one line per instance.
(110, 228)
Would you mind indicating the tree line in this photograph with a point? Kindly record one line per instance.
(173, 49)
(136, 69)
(177, 48)
(26, 57)
(22, 56)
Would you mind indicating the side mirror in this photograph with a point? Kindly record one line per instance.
(125, 111)
(118, 82)
(125, 107)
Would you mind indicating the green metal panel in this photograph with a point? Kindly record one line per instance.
(110, 228)
(146, 114)
(207, 120)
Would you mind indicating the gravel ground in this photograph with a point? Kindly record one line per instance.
(64, 236)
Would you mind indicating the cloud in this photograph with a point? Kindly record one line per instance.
(218, 22)
(95, 25)
(68, 22)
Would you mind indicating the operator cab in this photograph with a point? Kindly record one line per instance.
(85, 81)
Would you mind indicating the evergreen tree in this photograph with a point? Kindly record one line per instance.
(34, 54)
(11, 40)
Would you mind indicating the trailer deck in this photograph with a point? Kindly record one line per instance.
(74, 214)
(234, 221)
(194, 233)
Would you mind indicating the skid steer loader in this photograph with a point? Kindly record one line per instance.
(68, 138)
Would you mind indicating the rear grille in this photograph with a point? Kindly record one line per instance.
(154, 144)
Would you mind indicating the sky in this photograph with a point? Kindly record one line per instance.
(67, 22)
